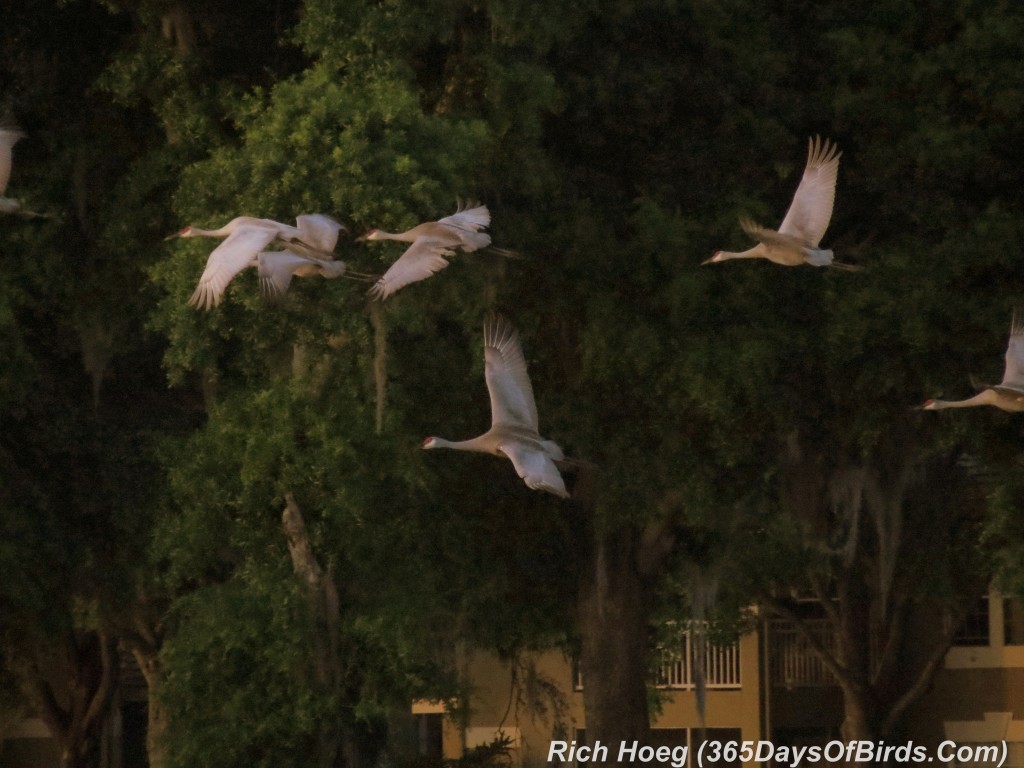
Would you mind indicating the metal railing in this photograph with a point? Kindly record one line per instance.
(677, 668)
(721, 666)
(793, 661)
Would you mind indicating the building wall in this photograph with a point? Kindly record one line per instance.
(534, 700)
(730, 708)
(27, 744)
(978, 695)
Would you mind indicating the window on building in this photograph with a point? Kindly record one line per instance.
(429, 735)
(974, 630)
(1013, 622)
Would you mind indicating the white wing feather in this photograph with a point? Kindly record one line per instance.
(471, 219)
(275, 269)
(811, 209)
(1013, 376)
(237, 252)
(318, 231)
(512, 401)
(420, 260)
(535, 468)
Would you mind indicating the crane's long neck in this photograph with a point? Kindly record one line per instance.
(986, 397)
(751, 253)
(477, 444)
(405, 237)
(200, 232)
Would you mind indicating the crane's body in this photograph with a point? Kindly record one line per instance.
(277, 268)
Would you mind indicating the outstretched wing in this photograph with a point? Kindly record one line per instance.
(537, 470)
(471, 219)
(276, 269)
(1013, 376)
(319, 232)
(770, 236)
(811, 209)
(229, 258)
(420, 260)
(508, 382)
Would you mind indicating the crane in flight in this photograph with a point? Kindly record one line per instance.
(1008, 395)
(313, 238)
(431, 244)
(797, 238)
(514, 427)
(277, 268)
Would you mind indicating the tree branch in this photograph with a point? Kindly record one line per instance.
(888, 659)
(924, 679)
(828, 658)
(322, 593)
(45, 704)
(657, 539)
(304, 563)
(821, 593)
(108, 677)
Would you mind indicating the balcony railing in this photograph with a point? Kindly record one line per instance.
(794, 663)
(721, 666)
(677, 669)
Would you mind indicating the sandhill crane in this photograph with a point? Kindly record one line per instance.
(1008, 395)
(313, 237)
(314, 233)
(514, 429)
(796, 241)
(9, 136)
(277, 268)
(432, 242)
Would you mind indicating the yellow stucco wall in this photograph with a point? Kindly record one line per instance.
(532, 700)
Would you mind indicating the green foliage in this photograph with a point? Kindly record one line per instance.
(615, 144)
(237, 680)
(615, 174)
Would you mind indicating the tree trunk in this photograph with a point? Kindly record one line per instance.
(72, 695)
(324, 604)
(859, 721)
(156, 730)
(156, 715)
(612, 621)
